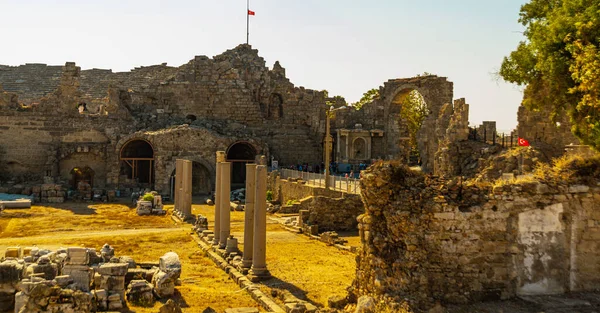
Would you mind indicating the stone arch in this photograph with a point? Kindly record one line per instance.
(94, 162)
(136, 158)
(436, 91)
(202, 177)
(239, 154)
(81, 175)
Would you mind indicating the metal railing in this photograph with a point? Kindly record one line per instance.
(339, 183)
(493, 138)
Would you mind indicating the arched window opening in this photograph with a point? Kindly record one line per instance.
(137, 161)
(240, 154)
(82, 178)
(410, 110)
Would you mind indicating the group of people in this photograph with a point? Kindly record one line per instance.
(336, 169)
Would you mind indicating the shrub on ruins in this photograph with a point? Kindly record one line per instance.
(559, 62)
(269, 195)
(368, 97)
(148, 197)
(570, 169)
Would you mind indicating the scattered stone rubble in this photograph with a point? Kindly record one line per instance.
(154, 207)
(80, 280)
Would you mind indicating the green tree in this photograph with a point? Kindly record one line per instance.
(414, 110)
(368, 97)
(559, 62)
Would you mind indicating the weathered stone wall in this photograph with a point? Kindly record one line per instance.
(538, 128)
(335, 214)
(233, 95)
(426, 239)
(285, 190)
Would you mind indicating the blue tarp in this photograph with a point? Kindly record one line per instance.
(11, 197)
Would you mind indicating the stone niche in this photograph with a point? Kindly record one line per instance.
(427, 239)
(355, 145)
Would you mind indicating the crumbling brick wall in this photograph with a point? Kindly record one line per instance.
(542, 132)
(427, 239)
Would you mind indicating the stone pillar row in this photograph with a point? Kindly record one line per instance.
(255, 218)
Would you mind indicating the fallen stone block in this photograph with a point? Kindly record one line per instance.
(113, 269)
(170, 307)
(140, 292)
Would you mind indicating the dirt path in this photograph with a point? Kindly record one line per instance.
(11, 241)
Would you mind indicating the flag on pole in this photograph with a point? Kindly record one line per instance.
(523, 142)
(251, 12)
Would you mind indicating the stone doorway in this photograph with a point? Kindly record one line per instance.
(137, 162)
(201, 180)
(84, 175)
(240, 154)
(408, 113)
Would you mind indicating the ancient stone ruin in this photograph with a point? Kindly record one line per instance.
(427, 238)
(81, 280)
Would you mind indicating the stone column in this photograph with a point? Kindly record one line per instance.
(249, 215)
(177, 191)
(225, 190)
(186, 189)
(347, 146)
(217, 228)
(259, 254)
(337, 148)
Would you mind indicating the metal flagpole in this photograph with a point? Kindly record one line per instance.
(247, 21)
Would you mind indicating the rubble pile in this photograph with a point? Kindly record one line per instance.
(168, 274)
(150, 204)
(80, 280)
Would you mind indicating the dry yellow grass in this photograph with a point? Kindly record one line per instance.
(66, 217)
(143, 238)
(307, 268)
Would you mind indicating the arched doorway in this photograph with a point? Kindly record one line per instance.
(137, 162)
(81, 175)
(409, 111)
(201, 180)
(239, 154)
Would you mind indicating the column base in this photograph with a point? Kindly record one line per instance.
(232, 245)
(215, 241)
(247, 264)
(258, 274)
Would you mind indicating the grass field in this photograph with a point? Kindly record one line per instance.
(309, 269)
(143, 238)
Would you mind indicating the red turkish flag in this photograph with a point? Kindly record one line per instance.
(250, 12)
(523, 142)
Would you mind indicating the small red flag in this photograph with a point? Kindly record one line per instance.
(250, 12)
(523, 142)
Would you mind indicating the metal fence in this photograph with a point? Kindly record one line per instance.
(339, 183)
(493, 138)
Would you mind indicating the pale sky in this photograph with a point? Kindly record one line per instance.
(344, 46)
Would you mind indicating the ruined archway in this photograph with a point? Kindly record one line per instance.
(137, 162)
(435, 92)
(80, 177)
(410, 111)
(201, 180)
(239, 154)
